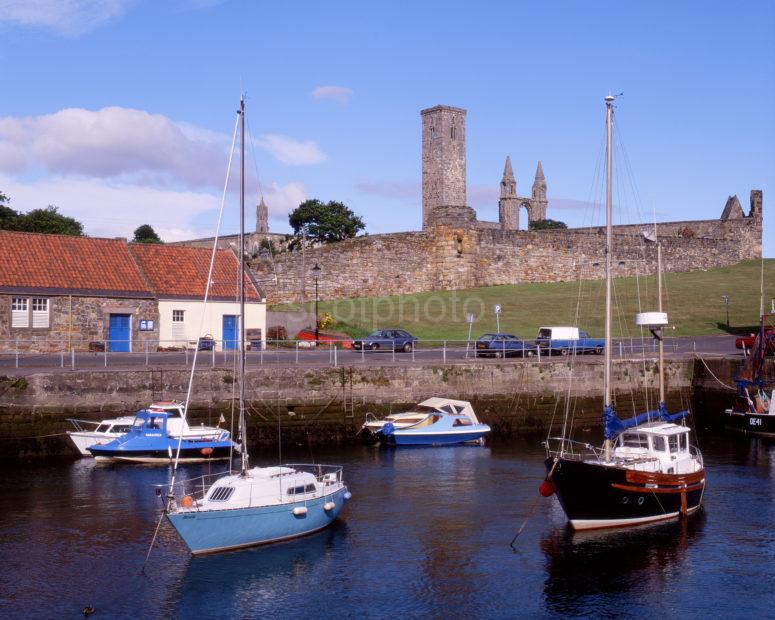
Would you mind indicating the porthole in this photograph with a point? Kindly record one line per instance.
(625, 499)
(641, 499)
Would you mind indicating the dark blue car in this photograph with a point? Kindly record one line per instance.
(503, 345)
(386, 339)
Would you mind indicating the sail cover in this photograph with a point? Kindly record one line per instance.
(613, 425)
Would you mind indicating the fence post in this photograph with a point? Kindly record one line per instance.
(621, 353)
(297, 351)
(62, 358)
(105, 352)
(213, 353)
(334, 345)
(146, 353)
(538, 352)
(394, 350)
(17, 352)
(185, 348)
(363, 352)
(444, 351)
(72, 357)
(260, 357)
(413, 348)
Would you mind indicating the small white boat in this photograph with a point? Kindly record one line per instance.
(436, 421)
(100, 433)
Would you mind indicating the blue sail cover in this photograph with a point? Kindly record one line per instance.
(613, 426)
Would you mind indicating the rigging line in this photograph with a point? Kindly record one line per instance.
(204, 304)
(153, 541)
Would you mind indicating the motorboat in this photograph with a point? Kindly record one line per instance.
(158, 433)
(100, 433)
(436, 421)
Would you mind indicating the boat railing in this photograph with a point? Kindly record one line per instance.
(327, 474)
(79, 424)
(696, 454)
(570, 448)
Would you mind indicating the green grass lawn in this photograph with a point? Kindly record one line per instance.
(693, 302)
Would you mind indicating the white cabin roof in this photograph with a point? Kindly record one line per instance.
(659, 428)
(463, 407)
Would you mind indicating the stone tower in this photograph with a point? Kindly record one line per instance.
(756, 203)
(443, 159)
(508, 205)
(538, 203)
(262, 217)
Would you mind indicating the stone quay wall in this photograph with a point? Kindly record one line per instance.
(328, 405)
(76, 321)
(457, 257)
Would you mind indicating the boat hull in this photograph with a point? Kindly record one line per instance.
(166, 454)
(84, 439)
(414, 438)
(596, 496)
(756, 424)
(212, 531)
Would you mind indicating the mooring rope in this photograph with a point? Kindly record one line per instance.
(729, 387)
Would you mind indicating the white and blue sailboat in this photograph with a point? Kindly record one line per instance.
(256, 505)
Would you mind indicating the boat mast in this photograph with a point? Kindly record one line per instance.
(609, 113)
(660, 338)
(243, 433)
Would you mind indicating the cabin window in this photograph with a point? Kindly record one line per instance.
(683, 441)
(300, 490)
(672, 441)
(221, 494)
(462, 422)
(121, 429)
(635, 441)
(102, 428)
(659, 443)
(138, 423)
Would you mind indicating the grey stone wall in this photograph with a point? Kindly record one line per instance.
(75, 322)
(469, 255)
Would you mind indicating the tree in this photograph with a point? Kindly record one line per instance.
(547, 225)
(49, 221)
(325, 223)
(9, 219)
(146, 234)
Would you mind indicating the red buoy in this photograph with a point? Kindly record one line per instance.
(547, 488)
(206, 451)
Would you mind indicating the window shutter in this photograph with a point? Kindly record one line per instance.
(39, 312)
(20, 316)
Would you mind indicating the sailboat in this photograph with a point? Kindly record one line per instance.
(647, 470)
(255, 505)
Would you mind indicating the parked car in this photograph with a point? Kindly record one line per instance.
(502, 345)
(386, 339)
(565, 340)
(746, 342)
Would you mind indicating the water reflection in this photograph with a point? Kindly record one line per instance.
(638, 563)
(258, 581)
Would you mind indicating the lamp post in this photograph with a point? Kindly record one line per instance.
(316, 275)
(725, 299)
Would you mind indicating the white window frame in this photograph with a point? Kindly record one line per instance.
(178, 316)
(40, 316)
(20, 312)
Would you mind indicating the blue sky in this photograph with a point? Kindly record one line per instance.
(121, 112)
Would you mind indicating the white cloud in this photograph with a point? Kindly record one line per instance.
(68, 17)
(291, 151)
(114, 143)
(282, 199)
(339, 94)
(110, 210)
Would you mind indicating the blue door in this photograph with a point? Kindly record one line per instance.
(119, 332)
(229, 332)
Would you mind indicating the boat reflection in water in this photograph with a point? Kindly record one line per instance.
(639, 563)
(253, 582)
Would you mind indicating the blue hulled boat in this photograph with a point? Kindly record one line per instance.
(433, 422)
(155, 435)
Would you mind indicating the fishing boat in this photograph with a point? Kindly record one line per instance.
(646, 470)
(157, 434)
(433, 422)
(753, 412)
(257, 505)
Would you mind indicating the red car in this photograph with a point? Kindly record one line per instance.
(746, 342)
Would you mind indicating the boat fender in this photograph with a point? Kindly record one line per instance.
(300, 511)
(388, 429)
(329, 506)
(206, 451)
(348, 495)
(546, 489)
(169, 452)
(187, 501)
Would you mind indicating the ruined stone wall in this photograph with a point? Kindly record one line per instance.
(77, 321)
(459, 257)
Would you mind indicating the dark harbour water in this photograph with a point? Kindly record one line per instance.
(426, 535)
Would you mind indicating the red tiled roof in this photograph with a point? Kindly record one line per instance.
(181, 272)
(69, 264)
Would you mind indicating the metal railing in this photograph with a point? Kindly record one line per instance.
(219, 353)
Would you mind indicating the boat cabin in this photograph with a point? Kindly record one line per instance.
(656, 446)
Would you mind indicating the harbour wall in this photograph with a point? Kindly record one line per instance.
(328, 405)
